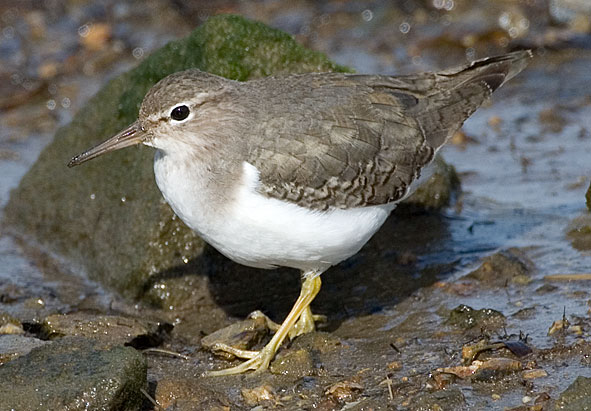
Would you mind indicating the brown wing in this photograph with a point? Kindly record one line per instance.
(358, 140)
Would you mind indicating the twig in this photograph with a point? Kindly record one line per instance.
(161, 351)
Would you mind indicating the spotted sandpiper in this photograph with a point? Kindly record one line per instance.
(300, 170)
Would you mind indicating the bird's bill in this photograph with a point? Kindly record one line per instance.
(134, 134)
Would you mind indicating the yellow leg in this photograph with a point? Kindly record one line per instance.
(259, 361)
(306, 324)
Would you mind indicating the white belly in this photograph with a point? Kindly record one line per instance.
(264, 232)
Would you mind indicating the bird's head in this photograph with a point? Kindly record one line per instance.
(172, 113)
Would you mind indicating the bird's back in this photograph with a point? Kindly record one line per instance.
(347, 141)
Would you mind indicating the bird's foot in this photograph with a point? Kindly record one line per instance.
(305, 324)
(258, 361)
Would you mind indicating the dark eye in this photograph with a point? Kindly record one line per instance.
(180, 113)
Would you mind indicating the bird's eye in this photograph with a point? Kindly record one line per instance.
(180, 113)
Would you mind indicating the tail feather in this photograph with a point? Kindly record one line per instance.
(461, 91)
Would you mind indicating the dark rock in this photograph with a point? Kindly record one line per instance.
(74, 374)
(189, 395)
(13, 346)
(451, 399)
(437, 190)
(319, 342)
(110, 329)
(579, 232)
(242, 335)
(293, 363)
(576, 397)
(467, 317)
(588, 198)
(510, 266)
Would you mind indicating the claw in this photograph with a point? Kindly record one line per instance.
(300, 314)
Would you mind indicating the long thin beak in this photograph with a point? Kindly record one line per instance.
(134, 134)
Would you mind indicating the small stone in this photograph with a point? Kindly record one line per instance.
(496, 368)
(495, 122)
(579, 232)
(495, 397)
(11, 329)
(507, 266)
(319, 342)
(395, 366)
(533, 374)
(258, 395)
(10, 325)
(437, 191)
(461, 139)
(461, 371)
(344, 391)
(542, 398)
(188, 394)
(467, 317)
(470, 351)
(242, 335)
(443, 380)
(546, 289)
(451, 399)
(111, 329)
(552, 120)
(558, 325)
(6, 318)
(297, 363)
(575, 329)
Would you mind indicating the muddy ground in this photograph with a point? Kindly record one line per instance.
(482, 305)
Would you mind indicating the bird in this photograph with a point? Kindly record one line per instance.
(299, 170)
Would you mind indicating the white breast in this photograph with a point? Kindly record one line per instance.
(264, 232)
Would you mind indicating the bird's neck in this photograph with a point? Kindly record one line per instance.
(192, 184)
